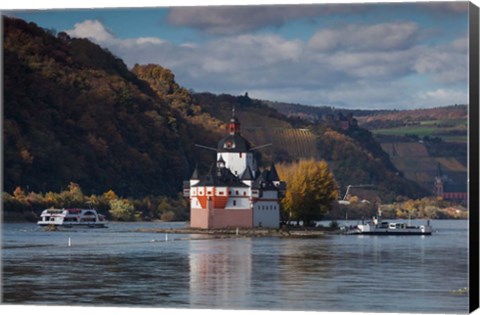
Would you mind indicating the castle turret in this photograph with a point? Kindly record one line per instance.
(235, 149)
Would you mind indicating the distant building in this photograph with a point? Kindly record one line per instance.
(234, 192)
(338, 120)
(449, 189)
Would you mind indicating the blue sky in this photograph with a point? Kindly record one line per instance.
(393, 55)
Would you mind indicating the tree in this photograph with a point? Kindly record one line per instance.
(123, 210)
(311, 190)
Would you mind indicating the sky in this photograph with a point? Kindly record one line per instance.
(346, 55)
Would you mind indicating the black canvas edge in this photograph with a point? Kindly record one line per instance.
(473, 142)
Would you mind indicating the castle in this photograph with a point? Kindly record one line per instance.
(234, 193)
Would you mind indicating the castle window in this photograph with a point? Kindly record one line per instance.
(220, 192)
(244, 193)
(240, 154)
(236, 191)
(234, 202)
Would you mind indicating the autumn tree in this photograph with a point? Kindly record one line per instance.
(311, 189)
(123, 210)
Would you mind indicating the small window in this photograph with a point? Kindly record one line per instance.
(234, 202)
(240, 154)
(236, 191)
(220, 192)
(244, 193)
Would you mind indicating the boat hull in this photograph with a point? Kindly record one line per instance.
(74, 217)
(392, 233)
(79, 225)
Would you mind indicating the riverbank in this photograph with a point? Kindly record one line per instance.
(254, 232)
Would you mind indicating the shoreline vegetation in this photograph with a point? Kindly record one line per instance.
(26, 206)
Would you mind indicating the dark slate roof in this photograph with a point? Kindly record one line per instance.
(241, 144)
(455, 186)
(261, 177)
(247, 174)
(273, 175)
(262, 182)
(220, 177)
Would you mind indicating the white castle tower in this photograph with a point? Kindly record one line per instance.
(235, 149)
(234, 193)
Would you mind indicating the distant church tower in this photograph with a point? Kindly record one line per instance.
(234, 193)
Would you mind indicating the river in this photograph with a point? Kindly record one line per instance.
(118, 266)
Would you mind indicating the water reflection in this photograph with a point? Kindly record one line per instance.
(220, 272)
(334, 273)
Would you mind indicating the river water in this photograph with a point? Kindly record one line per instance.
(118, 266)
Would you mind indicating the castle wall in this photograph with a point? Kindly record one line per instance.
(223, 218)
(266, 214)
(199, 218)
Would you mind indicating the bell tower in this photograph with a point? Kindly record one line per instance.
(233, 127)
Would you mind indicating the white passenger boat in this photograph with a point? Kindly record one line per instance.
(378, 227)
(72, 218)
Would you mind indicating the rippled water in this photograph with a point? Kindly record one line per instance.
(118, 266)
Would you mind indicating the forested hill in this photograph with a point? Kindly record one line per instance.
(73, 112)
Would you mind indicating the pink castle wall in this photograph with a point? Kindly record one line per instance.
(199, 218)
(221, 218)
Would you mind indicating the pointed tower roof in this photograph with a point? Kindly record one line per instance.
(247, 174)
(221, 159)
(439, 170)
(220, 177)
(273, 175)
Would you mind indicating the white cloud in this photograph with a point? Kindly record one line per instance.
(91, 29)
(384, 36)
(334, 67)
(441, 97)
(444, 63)
(96, 31)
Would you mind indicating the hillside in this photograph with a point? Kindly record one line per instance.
(423, 142)
(317, 113)
(73, 112)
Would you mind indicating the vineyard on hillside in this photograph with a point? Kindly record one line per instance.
(295, 143)
(413, 159)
